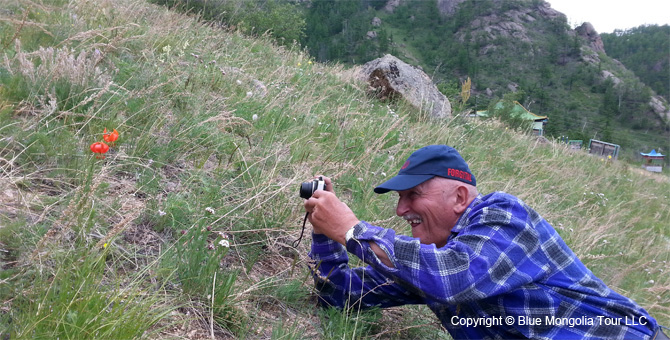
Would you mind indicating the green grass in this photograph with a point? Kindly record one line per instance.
(216, 133)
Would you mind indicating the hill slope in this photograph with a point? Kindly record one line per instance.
(184, 228)
(644, 50)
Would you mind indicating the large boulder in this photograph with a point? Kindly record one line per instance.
(391, 78)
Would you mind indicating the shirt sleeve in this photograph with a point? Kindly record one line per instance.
(498, 251)
(341, 286)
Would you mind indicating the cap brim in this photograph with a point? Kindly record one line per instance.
(402, 182)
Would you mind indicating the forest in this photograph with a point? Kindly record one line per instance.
(643, 50)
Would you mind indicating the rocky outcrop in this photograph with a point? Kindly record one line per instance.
(448, 7)
(376, 22)
(589, 33)
(589, 56)
(391, 5)
(660, 107)
(509, 24)
(391, 78)
(609, 75)
(544, 9)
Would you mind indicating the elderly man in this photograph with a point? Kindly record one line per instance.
(488, 266)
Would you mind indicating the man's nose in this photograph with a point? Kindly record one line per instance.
(402, 208)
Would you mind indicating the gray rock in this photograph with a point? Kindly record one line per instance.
(391, 78)
(391, 5)
(660, 107)
(376, 22)
(589, 33)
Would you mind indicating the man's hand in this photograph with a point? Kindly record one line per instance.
(328, 215)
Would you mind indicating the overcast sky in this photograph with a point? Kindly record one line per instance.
(608, 15)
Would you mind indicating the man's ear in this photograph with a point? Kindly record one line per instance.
(462, 195)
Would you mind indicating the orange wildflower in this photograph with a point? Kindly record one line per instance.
(110, 137)
(99, 148)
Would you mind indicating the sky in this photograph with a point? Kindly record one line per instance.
(608, 15)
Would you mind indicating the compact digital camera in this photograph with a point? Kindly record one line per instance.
(308, 188)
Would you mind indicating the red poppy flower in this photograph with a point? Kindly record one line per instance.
(110, 137)
(99, 148)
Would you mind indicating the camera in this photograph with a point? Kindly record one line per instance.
(308, 188)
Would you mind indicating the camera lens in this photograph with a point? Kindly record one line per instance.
(307, 189)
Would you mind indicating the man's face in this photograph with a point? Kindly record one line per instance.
(428, 208)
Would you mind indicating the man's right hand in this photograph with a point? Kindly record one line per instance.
(328, 215)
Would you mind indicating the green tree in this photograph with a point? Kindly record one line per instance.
(283, 21)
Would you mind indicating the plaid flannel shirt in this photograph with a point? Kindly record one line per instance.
(504, 274)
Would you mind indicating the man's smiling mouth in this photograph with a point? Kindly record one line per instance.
(413, 220)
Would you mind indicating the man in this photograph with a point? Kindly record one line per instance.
(488, 266)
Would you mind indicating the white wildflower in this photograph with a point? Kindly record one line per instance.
(161, 212)
(254, 117)
(224, 243)
(209, 210)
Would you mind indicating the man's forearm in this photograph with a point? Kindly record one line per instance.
(381, 255)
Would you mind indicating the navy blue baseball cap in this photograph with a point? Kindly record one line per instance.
(426, 163)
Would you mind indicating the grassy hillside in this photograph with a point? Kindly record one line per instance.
(184, 229)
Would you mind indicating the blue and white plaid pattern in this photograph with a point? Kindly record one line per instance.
(504, 267)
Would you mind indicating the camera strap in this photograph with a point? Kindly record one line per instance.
(297, 242)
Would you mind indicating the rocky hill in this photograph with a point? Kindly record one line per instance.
(644, 50)
(524, 47)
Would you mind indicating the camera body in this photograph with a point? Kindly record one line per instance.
(308, 188)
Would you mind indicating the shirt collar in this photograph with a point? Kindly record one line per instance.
(464, 220)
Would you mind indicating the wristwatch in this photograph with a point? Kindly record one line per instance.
(350, 233)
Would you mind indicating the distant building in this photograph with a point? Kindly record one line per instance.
(653, 161)
(575, 144)
(518, 111)
(600, 148)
